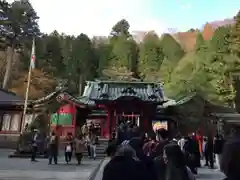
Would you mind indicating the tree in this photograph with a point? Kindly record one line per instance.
(124, 53)
(222, 64)
(173, 52)
(189, 77)
(121, 28)
(4, 10)
(42, 83)
(83, 62)
(18, 24)
(151, 56)
(220, 41)
(235, 36)
(53, 60)
(171, 48)
(104, 52)
(200, 45)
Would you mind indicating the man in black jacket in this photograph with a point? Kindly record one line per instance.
(209, 151)
(218, 148)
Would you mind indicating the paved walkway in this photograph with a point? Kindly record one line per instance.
(209, 174)
(203, 173)
(23, 169)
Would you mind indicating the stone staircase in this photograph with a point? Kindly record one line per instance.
(100, 149)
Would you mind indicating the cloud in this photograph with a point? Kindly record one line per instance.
(94, 17)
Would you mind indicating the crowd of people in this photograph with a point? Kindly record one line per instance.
(86, 139)
(134, 155)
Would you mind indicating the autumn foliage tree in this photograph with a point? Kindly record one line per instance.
(41, 84)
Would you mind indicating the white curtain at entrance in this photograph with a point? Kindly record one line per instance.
(6, 122)
(15, 122)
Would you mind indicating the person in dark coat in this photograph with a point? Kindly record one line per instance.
(176, 167)
(189, 152)
(113, 135)
(53, 148)
(137, 144)
(218, 147)
(209, 151)
(230, 162)
(111, 149)
(162, 136)
(124, 166)
(157, 154)
(34, 145)
(197, 154)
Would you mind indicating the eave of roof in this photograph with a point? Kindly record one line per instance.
(49, 96)
(114, 90)
(82, 100)
(227, 115)
(124, 82)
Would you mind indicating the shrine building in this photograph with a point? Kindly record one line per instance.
(106, 103)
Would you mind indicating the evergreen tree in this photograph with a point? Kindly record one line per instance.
(121, 28)
(222, 64)
(173, 54)
(201, 44)
(18, 23)
(83, 63)
(124, 53)
(235, 36)
(151, 56)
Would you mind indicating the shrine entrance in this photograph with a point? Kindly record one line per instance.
(131, 117)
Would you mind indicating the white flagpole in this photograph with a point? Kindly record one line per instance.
(28, 85)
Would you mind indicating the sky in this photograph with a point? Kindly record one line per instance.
(97, 17)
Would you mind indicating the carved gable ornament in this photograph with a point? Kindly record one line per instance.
(129, 90)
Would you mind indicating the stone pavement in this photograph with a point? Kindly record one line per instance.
(23, 169)
(209, 174)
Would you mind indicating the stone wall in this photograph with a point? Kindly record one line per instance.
(9, 141)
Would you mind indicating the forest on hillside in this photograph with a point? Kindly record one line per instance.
(209, 69)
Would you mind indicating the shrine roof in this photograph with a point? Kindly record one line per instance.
(9, 98)
(113, 90)
(49, 97)
(211, 106)
(79, 100)
(64, 95)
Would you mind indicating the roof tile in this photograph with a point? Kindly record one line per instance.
(113, 90)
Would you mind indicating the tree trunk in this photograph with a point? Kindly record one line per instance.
(10, 54)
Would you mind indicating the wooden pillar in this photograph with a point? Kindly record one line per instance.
(74, 116)
(107, 124)
(110, 114)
